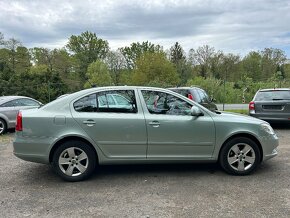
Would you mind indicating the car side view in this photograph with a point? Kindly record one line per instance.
(9, 107)
(138, 125)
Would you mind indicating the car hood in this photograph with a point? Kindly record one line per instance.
(235, 117)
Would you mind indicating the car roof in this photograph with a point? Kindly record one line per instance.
(73, 96)
(189, 87)
(274, 89)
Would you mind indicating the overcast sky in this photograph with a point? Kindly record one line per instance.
(237, 26)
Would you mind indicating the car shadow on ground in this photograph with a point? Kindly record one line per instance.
(209, 168)
(44, 174)
(281, 125)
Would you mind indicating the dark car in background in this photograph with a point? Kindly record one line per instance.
(9, 107)
(272, 105)
(196, 94)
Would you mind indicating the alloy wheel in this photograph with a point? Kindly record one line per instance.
(73, 161)
(241, 157)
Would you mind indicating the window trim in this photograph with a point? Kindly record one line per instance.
(96, 93)
(146, 110)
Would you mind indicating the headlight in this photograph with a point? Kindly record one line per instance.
(267, 128)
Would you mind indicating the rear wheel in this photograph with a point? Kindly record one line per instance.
(74, 161)
(240, 156)
(3, 126)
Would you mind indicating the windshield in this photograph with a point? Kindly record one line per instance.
(273, 95)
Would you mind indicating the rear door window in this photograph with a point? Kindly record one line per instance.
(8, 104)
(119, 101)
(27, 102)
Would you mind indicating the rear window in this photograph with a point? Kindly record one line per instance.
(272, 95)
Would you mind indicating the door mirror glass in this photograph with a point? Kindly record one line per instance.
(195, 111)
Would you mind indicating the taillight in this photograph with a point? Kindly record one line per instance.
(18, 126)
(190, 96)
(252, 107)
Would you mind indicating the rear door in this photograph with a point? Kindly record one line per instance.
(116, 126)
(273, 104)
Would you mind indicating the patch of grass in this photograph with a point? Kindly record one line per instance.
(5, 138)
(240, 111)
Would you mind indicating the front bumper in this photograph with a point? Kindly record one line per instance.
(269, 145)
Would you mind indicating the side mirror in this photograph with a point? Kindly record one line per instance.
(213, 100)
(196, 112)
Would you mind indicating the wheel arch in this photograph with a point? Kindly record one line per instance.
(5, 124)
(71, 138)
(245, 135)
(4, 118)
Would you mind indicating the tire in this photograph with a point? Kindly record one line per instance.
(74, 161)
(240, 156)
(3, 126)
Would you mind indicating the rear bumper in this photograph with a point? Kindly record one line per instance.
(32, 157)
(32, 149)
(272, 118)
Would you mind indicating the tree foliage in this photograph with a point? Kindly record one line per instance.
(136, 49)
(87, 48)
(156, 70)
(86, 60)
(98, 75)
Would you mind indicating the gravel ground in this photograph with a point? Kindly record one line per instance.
(191, 190)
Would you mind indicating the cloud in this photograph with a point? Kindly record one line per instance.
(232, 26)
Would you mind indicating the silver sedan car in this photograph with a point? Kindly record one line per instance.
(129, 125)
(9, 107)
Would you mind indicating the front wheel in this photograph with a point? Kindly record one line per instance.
(74, 161)
(240, 156)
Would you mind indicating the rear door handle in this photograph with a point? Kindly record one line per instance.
(154, 124)
(89, 122)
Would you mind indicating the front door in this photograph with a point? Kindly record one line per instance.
(172, 132)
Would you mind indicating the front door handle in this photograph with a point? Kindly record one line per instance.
(154, 124)
(89, 122)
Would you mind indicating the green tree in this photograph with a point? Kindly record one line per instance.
(136, 49)
(202, 56)
(156, 70)
(22, 60)
(87, 48)
(117, 64)
(177, 53)
(98, 75)
(271, 58)
(178, 58)
(230, 67)
(12, 45)
(57, 61)
(251, 65)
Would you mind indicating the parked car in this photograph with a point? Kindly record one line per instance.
(151, 125)
(198, 95)
(9, 107)
(272, 105)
